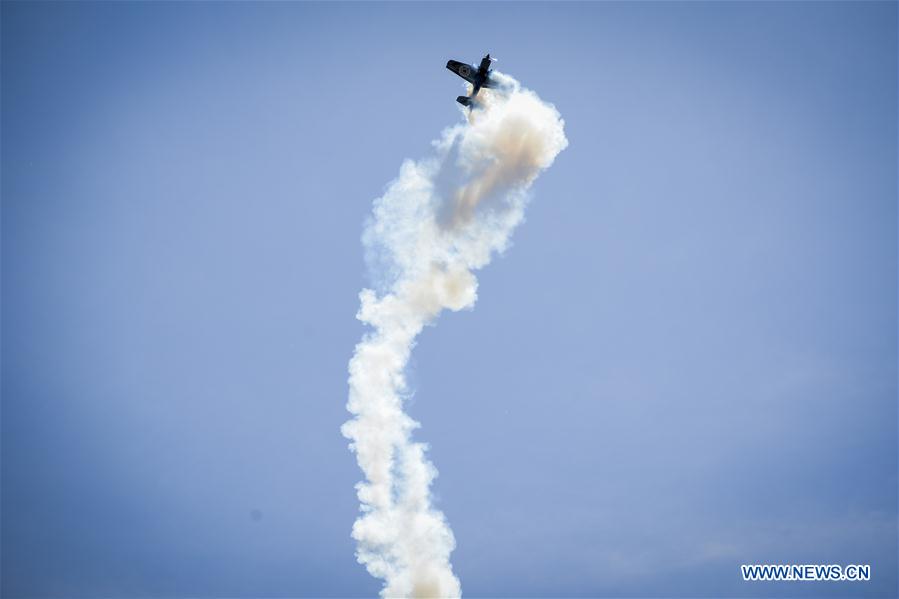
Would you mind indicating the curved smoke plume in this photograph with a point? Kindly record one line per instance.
(439, 221)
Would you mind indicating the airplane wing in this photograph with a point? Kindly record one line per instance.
(465, 71)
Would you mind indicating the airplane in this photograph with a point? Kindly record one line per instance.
(478, 77)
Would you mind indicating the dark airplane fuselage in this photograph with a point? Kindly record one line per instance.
(482, 74)
(484, 67)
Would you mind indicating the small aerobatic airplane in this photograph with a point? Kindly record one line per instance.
(478, 77)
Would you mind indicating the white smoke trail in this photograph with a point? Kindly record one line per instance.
(441, 219)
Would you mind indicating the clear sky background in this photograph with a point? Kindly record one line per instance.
(687, 360)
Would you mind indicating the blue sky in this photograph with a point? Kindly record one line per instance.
(687, 360)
